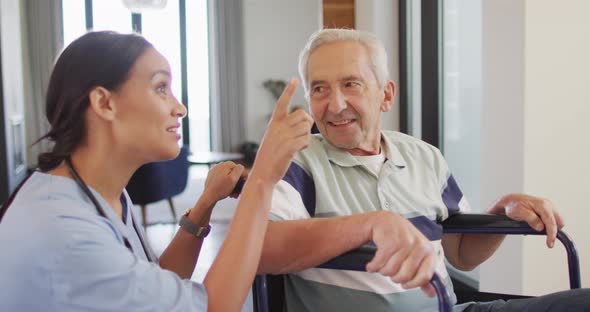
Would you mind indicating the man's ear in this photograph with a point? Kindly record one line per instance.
(101, 103)
(388, 96)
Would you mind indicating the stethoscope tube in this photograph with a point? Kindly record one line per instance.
(88, 193)
(101, 211)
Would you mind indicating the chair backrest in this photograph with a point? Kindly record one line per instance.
(268, 293)
(156, 181)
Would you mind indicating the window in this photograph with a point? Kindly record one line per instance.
(198, 75)
(179, 32)
(461, 77)
(441, 81)
(111, 15)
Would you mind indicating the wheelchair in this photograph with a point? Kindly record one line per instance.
(268, 290)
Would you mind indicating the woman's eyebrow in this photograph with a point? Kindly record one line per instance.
(160, 71)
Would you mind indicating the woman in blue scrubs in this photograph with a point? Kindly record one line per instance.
(69, 241)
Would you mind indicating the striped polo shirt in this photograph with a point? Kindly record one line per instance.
(413, 181)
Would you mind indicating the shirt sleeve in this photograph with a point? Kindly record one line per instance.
(287, 203)
(452, 196)
(97, 272)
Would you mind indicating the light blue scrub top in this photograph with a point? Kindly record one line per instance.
(58, 254)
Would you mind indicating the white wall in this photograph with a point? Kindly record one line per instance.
(535, 106)
(274, 33)
(502, 130)
(381, 18)
(556, 128)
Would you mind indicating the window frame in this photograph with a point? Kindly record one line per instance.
(136, 25)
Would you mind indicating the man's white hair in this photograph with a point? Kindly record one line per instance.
(375, 49)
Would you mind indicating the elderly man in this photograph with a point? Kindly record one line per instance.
(356, 183)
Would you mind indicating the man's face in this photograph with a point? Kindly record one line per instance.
(345, 99)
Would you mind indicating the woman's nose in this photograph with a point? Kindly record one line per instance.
(180, 109)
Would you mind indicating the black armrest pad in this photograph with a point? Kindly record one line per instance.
(486, 224)
(355, 260)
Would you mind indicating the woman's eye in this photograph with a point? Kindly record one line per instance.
(162, 89)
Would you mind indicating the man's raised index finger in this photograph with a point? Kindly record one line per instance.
(282, 107)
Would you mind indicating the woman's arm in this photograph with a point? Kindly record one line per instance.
(182, 253)
(230, 277)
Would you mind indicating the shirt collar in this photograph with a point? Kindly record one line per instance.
(346, 159)
(393, 153)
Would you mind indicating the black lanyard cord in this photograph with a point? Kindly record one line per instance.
(84, 187)
(100, 210)
(88, 193)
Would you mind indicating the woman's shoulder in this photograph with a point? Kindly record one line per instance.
(54, 205)
(47, 237)
(46, 194)
(50, 216)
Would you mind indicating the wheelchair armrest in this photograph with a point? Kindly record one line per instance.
(357, 259)
(353, 260)
(497, 224)
(486, 224)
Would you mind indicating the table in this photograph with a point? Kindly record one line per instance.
(211, 158)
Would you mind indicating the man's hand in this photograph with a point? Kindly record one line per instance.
(286, 134)
(403, 252)
(539, 213)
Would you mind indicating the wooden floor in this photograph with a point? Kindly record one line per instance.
(161, 233)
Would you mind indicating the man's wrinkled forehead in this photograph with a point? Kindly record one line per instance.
(337, 60)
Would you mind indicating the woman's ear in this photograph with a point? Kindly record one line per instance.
(101, 103)
(388, 96)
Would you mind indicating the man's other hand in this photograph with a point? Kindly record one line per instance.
(539, 213)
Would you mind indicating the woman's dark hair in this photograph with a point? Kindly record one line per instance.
(103, 59)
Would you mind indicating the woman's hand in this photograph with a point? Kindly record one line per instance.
(286, 134)
(221, 180)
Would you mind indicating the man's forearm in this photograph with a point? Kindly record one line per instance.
(291, 246)
(467, 251)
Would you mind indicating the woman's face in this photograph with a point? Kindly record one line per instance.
(147, 119)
